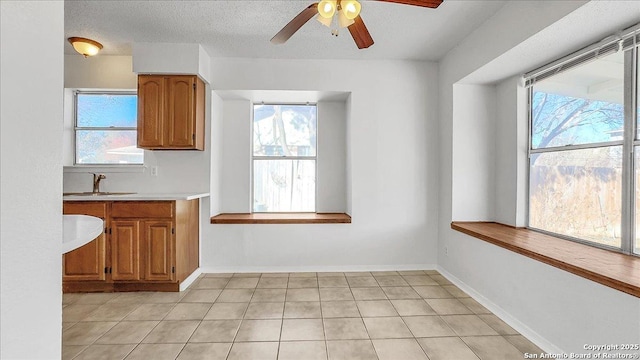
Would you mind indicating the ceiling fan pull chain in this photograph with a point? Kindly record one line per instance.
(334, 22)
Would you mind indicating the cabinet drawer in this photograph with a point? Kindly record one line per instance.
(142, 209)
(97, 209)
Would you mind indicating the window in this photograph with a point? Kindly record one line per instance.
(284, 158)
(105, 128)
(581, 177)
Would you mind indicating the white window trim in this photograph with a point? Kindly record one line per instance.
(112, 168)
(628, 43)
(253, 158)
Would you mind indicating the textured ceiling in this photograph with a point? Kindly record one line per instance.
(240, 28)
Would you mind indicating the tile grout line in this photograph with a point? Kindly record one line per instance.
(408, 328)
(94, 341)
(324, 330)
(440, 283)
(117, 322)
(281, 319)
(160, 321)
(364, 324)
(200, 322)
(233, 342)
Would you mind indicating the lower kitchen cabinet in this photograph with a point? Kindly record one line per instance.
(147, 246)
(87, 263)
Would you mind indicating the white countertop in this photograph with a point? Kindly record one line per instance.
(136, 197)
(78, 230)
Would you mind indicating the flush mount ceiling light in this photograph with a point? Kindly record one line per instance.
(84, 46)
(347, 13)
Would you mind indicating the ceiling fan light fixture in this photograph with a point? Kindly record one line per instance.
(84, 46)
(326, 8)
(324, 21)
(350, 8)
(348, 14)
(344, 21)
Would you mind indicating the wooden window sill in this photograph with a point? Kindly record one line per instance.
(282, 218)
(609, 268)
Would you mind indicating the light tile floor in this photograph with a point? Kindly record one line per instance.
(401, 315)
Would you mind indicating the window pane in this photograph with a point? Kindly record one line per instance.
(284, 185)
(284, 130)
(107, 147)
(578, 193)
(107, 110)
(637, 167)
(582, 105)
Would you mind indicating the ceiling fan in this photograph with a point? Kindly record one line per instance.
(347, 14)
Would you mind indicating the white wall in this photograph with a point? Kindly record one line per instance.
(115, 72)
(92, 73)
(236, 150)
(332, 152)
(391, 152)
(171, 58)
(495, 37)
(511, 163)
(559, 311)
(393, 196)
(99, 72)
(217, 107)
(390, 117)
(31, 179)
(348, 156)
(235, 173)
(473, 190)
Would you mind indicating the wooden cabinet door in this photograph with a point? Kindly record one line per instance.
(125, 250)
(181, 106)
(86, 263)
(151, 110)
(158, 238)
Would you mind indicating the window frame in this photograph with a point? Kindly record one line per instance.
(282, 157)
(629, 142)
(632, 139)
(77, 128)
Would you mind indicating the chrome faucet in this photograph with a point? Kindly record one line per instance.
(96, 182)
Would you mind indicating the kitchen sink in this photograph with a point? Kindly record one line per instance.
(97, 193)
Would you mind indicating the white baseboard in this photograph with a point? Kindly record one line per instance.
(339, 268)
(519, 326)
(190, 279)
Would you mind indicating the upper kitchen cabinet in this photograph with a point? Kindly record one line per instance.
(171, 112)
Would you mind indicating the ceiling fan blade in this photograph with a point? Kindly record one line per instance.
(295, 24)
(360, 33)
(422, 3)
